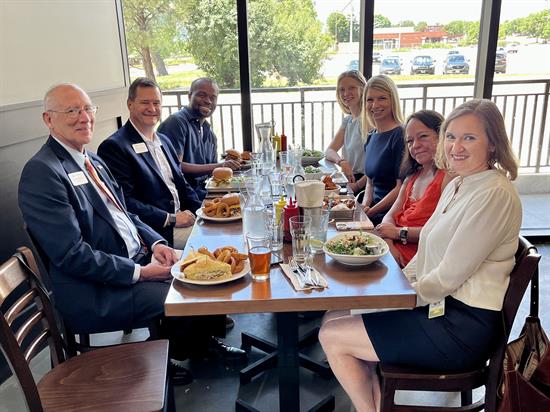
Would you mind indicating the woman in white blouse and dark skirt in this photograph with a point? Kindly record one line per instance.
(460, 273)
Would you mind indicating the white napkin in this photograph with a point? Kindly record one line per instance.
(296, 284)
(310, 193)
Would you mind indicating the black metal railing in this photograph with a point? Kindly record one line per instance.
(310, 116)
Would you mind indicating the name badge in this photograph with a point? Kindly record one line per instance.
(78, 178)
(436, 309)
(140, 147)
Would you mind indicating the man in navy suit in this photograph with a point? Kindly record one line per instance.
(145, 165)
(97, 252)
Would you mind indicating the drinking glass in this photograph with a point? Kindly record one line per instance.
(275, 228)
(259, 254)
(300, 232)
(285, 162)
(318, 229)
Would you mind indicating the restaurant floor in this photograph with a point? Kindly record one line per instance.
(216, 385)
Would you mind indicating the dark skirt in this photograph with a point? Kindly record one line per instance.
(460, 340)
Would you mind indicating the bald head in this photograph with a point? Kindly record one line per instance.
(67, 115)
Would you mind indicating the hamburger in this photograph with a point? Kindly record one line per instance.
(233, 202)
(222, 175)
(231, 154)
(246, 155)
(206, 268)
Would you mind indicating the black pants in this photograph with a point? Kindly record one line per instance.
(188, 335)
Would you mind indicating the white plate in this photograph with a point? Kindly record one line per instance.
(354, 260)
(201, 214)
(177, 274)
(224, 187)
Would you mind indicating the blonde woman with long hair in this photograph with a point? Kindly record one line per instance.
(384, 146)
(349, 93)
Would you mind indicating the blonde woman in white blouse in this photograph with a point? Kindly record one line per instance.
(460, 273)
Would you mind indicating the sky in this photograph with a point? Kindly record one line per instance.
(432, 11)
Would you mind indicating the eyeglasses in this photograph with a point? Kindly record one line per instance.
(75, 113)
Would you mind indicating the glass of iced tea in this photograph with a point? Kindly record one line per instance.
(259, 254)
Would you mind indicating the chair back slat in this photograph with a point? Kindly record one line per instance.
(27, 326)
(20, 305)
(10, 278)
(36, 345)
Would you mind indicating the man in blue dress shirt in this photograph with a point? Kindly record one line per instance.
(195, 143)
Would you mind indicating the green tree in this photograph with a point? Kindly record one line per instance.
(456, 28)
(381, 21)
(421, 26)
(338, 26)
(537, 25)
(151, 31)
(406, 23)
(285, 39)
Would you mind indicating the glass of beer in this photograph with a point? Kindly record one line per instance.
(259, 254)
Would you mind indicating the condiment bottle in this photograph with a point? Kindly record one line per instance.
(289, 211)
(276, 139)
(283, 141)
(279, 206)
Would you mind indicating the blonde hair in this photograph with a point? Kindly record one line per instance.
(502, 158)
(384, 84)
(359, 78)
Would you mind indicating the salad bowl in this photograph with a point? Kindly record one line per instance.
(356, 248)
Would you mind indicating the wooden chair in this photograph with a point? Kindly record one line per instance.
(402, 378)
(130, 377)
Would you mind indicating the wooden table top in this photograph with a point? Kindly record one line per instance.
(379, 285)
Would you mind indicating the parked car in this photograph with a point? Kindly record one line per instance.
(390, 66)
(398, 59)
(423, 64)
(500, 62)
(353, 65)
(512, 48)
(376, 56)
(456, 63)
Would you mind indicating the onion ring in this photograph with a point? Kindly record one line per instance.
(222, 210)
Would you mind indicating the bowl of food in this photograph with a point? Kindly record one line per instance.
(312, 173)
(356, 248)
(311, 157)
(330, 186)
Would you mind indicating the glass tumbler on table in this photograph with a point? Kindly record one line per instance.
(259, 254)
(300, 227)
(318, 229)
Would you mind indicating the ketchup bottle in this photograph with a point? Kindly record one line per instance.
(289, 211)
(283, 141)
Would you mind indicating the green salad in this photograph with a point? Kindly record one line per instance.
(356, 244)
(312, 153)
(311, 169)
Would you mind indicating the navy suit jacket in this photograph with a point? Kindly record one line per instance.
(89, 266)
(145, 191)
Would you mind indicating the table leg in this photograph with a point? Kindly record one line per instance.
(287, 360)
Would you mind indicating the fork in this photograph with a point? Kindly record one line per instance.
(310, 274)
(300, 275)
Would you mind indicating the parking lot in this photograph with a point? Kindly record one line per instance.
(531, 59)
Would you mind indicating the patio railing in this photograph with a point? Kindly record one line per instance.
(311, 116)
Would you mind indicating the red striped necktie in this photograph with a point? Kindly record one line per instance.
(102, 186)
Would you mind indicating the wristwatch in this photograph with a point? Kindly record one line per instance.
(172, 218)
(403, 235)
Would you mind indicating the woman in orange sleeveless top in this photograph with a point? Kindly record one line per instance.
(421, 188)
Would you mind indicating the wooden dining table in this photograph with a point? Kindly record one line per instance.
(378, 285)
